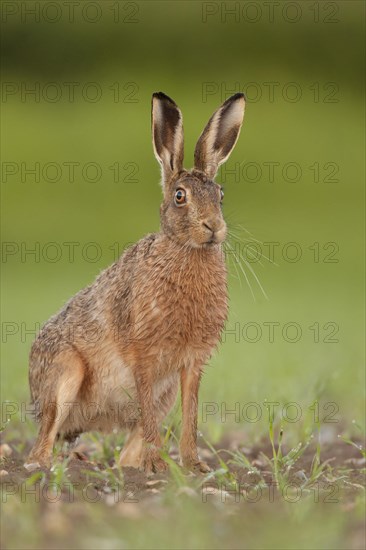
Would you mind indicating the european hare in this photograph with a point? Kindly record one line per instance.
(114, 355)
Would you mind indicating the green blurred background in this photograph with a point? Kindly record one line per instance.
(302, 67)
(198, 53)
(169, 47)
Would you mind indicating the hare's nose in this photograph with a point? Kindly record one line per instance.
(213, 225)
(207, 226)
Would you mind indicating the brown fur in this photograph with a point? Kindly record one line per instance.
(116, 352)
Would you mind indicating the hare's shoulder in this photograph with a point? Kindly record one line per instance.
(121, 272)
(107, 299)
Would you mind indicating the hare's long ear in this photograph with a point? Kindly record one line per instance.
(220, 135)
(167, 135)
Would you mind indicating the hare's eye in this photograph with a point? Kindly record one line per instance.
(180, 197)
(221, 195)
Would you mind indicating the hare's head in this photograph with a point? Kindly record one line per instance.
(191, 212)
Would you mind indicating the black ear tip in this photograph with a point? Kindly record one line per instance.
(163, 97)
(235, 97)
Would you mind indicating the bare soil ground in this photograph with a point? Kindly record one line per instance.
(345, 471)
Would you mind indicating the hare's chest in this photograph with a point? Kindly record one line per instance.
(195, 314)
(178, 312)
(186, 332)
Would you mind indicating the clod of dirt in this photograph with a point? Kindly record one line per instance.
(31, 466)
(359, 462)
(156, 482)
(5, 450)
(129, 510)
(188, 491)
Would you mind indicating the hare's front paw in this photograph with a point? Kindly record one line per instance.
(195, 465)
(34, 462)
(152, 462)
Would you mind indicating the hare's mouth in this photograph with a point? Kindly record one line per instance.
(212, 242)
(209, 244)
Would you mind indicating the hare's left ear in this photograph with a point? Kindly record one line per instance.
(220, 135)
(167, 135)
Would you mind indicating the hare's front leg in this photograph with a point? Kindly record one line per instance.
(190, 382)
(151, 460)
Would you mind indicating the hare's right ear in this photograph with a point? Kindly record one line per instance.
(220, 135)
(167, 135)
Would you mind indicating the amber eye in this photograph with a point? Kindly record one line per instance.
(221, 195)
(180, 197)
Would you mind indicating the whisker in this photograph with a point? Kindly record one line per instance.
(256, 278)
(236, 269)
(247, 264)
(251, 252)
(238, 238)
(245, 275)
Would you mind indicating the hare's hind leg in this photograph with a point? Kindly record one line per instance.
(132, 451)
(64, 379)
